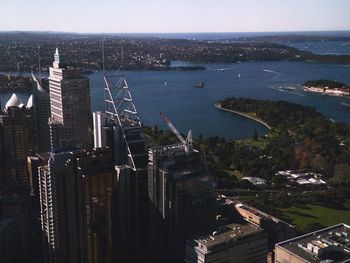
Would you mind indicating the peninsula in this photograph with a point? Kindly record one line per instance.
(327, 87)
(244, 114)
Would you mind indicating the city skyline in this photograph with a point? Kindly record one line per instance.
(175, 17)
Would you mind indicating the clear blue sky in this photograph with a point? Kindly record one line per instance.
(120, 16)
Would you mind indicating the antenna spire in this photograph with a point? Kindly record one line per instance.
(39, 64)
(103, 55)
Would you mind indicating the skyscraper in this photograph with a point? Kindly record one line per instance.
(17, 140)
(70, 106)
(183, 199)
(123, 134)
(41, 104)
(76, 192)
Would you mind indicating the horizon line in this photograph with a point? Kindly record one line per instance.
(180, 32)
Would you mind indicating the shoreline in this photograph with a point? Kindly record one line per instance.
(323, 91)
(218, 106)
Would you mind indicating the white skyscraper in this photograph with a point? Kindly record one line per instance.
(70, 105)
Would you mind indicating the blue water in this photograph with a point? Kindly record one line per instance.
(230, 35)
(172, 92)
(192, 108)
(323, 47)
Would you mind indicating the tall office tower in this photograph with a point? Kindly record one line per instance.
(41, 104)
(124, 136)
(183, 198)
(17, 140)
(70, 104)
(76, 191)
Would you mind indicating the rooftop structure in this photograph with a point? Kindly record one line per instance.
(303, 178)
(331, 245)
(230, 243)
(13, 101)
(255, 181)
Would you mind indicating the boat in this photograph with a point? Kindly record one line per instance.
(199, 84)
(347, 105)
(290, 89)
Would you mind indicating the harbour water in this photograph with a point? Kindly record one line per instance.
(173, 93)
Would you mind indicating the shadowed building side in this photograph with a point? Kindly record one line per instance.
(183, 199)
(76, 193)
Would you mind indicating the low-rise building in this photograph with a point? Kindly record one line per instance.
(276, 229)
(233, 243)
(328, 245)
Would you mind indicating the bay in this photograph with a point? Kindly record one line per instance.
(188, 107)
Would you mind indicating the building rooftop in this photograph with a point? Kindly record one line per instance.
(225, 235)
(13, 101)
(259, 213)
(331, 244)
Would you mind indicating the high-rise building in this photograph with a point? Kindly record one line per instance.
(330, 244)
(41, 103)
(76, 193)
(183, 199)
(123, 134)
(70, 106)
(233, 243)
(17, 140)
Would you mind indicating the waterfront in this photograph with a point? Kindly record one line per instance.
(172, 92)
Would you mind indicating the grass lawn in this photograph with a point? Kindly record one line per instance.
(260, 143)
(300, 216)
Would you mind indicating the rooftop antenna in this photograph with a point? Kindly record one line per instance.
(103, 55)
(39, 62)
(122, 58)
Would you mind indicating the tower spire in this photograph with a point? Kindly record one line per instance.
(56, 62)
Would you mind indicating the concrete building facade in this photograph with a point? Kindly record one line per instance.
(70, 106)
(233, 243)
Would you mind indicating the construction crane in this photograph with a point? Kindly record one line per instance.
(186, 143)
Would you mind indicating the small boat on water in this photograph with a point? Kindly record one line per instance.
(345, 104)
(287, 88)
(199, 84)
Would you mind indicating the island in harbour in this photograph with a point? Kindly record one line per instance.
(327, 87)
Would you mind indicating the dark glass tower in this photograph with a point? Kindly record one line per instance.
(183, 199)
(76, 193)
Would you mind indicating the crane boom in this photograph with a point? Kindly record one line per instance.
(172, 128)
(187, 143)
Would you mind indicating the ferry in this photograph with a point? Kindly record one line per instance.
(199, 85)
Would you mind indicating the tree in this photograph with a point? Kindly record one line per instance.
(255, 135)
(341, 173)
